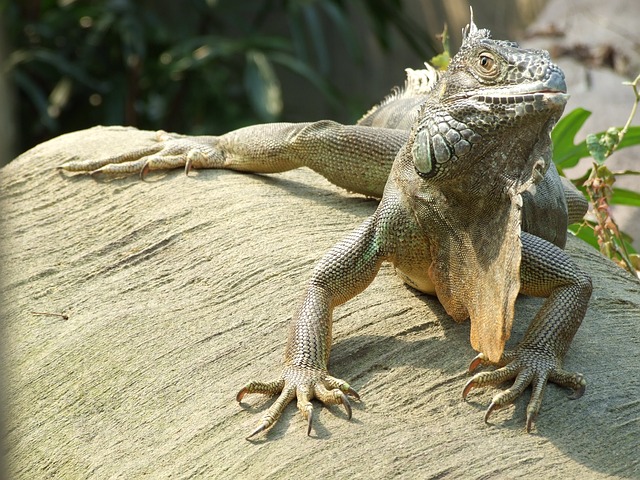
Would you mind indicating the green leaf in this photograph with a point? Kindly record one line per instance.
(565, 153)
(607, 138)
(622, 196)
(441, 61)
(341, 21)
(314, 30)
(585, 233)
(302, 69)
(197, 52)
(58, 62)
(263, 87)
(37, 96)
(632, 137)
(618, 173)
(596, 145)
(596, 149)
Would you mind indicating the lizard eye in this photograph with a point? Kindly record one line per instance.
(486, 62)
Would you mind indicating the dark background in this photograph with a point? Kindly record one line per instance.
(207, 66)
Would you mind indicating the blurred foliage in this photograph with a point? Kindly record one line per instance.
(441, 60)
(197, 66)
(597, 183)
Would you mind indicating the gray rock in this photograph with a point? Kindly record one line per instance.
(179, 290)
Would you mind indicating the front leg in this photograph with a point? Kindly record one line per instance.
(546, 271)
(346, 270)
(354, 157)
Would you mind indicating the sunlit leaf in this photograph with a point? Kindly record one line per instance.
(597, 151)
(622, 196)
(585, 233)
(632, 137)
(566, 154)
(441, 61)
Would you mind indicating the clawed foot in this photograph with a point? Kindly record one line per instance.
(527, 367)
(171, 151)
(303, 384)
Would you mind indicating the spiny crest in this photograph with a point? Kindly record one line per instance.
(420, 82)
(417, 84)
(471, 33)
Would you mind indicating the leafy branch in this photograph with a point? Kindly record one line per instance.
(597, 183)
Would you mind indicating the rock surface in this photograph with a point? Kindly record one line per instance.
(178, 291)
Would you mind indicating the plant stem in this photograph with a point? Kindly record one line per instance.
(634, 108)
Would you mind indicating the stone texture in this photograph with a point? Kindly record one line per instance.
(179, 290)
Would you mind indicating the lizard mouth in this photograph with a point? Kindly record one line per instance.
(538, 99)
(555, 97)
(552, 91)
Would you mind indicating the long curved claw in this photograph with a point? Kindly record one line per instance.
(571, 380)
(353, 393)
(347, 405)
(537, 392)
(240, 395)
(337, 395)
(482, 360)
(341, 385)
(188, 165)
(192, 156)
(309, 423)
(305, 406)
(273, 413)
(476, 362)
(467, 388)
(299, 383)
(526, 368)
(492, 407)
(260, 428)
(167, 152)
(577, 392)
(530, 419)
(269, 388)
(144, 170)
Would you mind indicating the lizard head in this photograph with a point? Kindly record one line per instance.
(493, 109)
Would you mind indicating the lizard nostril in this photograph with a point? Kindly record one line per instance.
(556, 81)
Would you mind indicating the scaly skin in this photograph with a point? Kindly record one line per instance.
(472, 210)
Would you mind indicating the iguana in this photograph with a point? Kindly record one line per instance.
(472, 210)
